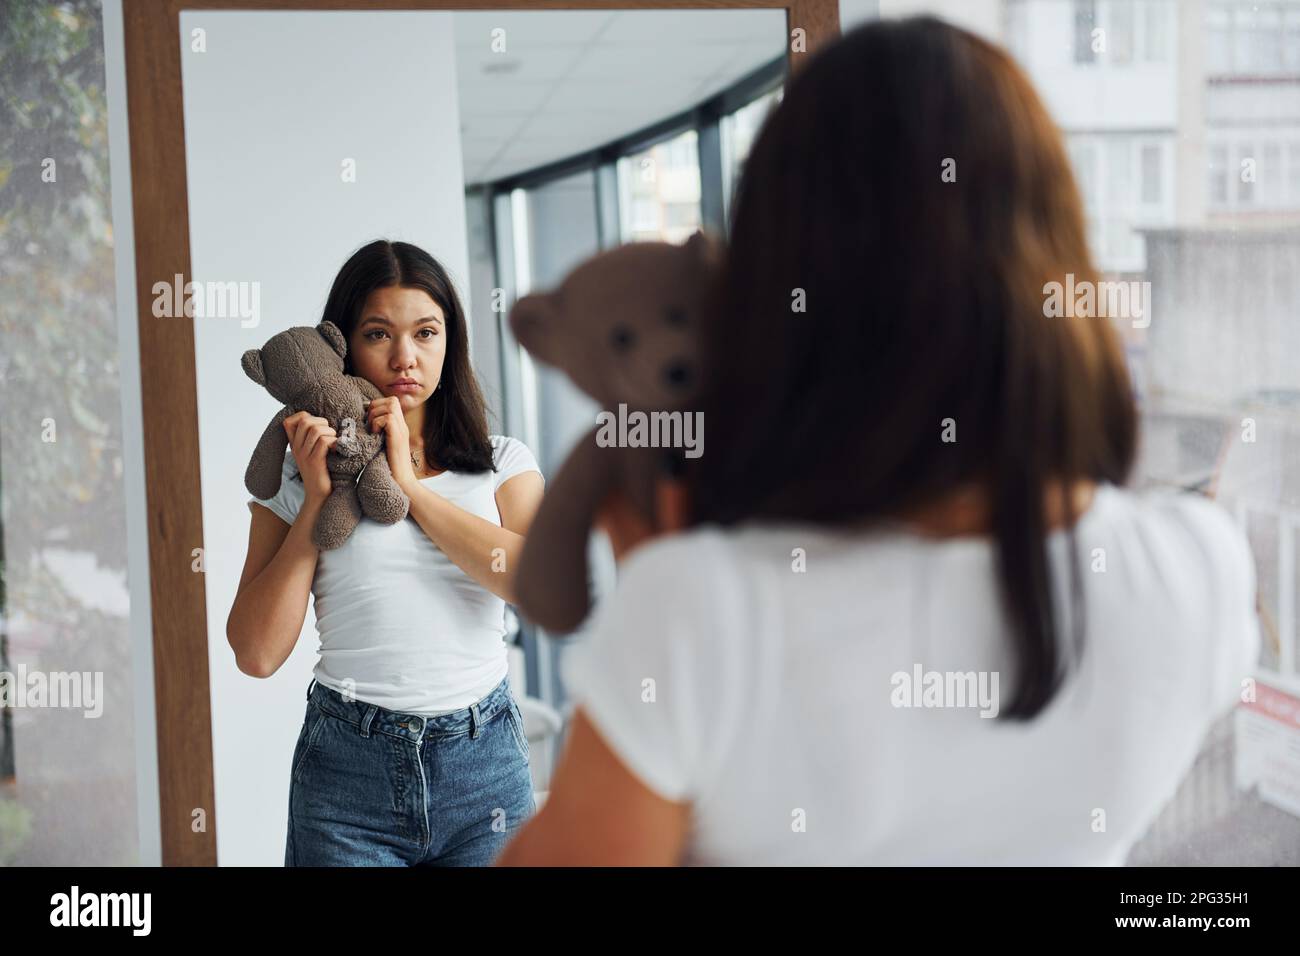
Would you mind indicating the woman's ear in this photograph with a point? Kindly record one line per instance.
(334, 336)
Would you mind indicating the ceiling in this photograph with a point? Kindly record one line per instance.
(571, 80)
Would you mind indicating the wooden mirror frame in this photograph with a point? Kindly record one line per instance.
(167, 372)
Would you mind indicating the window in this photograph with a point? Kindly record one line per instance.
(1270, 175)
(1293, 175)
(1151, 174)
(1085, 21)
(1291, 39)
(1157, 21)
(1219, 175)
(1083, 156)
(1246, 171)
(1252, 38)
(659, 190)
(1118, 178)
(1218, 39)
(1119, 32)
(738, 131)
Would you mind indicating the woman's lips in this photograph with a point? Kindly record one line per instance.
(406, 388)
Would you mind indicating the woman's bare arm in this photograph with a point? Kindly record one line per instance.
(271, 602)
(486, 552)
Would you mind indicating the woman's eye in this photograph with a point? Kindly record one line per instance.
(371, 334)
(431, 332)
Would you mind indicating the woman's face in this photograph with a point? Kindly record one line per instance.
(400, 338)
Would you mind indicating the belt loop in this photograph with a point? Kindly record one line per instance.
(365, 721)
(311, 687)
(473, 721)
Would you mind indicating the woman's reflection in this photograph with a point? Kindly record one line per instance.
(412, 750)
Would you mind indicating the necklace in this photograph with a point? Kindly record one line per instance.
(415, 461)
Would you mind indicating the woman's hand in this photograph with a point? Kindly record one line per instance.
(627, 528)
(310, 439)
(385, 414)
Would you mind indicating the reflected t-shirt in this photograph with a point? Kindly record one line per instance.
(400, 624)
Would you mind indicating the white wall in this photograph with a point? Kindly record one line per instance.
(272, 108)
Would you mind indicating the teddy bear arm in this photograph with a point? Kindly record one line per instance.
(262, 477)
(552, 586)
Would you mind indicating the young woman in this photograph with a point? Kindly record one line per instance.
(917, 618)
(412, 750)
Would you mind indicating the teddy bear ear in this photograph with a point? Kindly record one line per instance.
(334, 336)
(532, 320)
(252, 363)
(702, 247)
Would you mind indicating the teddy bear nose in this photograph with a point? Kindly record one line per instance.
(678, 374)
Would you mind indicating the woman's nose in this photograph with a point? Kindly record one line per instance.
(403, 354)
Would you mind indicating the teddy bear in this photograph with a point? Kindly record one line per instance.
(625, 326)
(303, 368)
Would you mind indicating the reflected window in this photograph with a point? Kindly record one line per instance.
(659, 191)
(739, 130)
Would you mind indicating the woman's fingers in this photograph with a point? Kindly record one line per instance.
(322, 446)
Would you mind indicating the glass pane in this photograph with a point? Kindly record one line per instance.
(68, 793)
(1157, 22)
(738, 132)
(1246, 173)
(1085, 21)
(659, 190)
(1218, 168)
(1293, 175)
(1151, 174)
(1218, 38)
(1119, 31)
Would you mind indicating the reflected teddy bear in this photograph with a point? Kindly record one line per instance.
(303, 368)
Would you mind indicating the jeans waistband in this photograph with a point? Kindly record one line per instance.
(371, 718)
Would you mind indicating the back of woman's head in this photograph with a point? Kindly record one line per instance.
(879, 337)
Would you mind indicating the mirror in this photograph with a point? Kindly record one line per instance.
(510, 146)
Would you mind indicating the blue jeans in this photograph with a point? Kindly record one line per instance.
(372, 787)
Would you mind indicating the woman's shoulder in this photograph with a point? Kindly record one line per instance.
(503, 443)
(707, 564)
(1183, 524)
(511, 457)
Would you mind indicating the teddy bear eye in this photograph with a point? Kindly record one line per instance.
(622, 337)
(675, 315)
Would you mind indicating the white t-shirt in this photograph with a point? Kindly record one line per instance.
(400, 624)
(765, 696)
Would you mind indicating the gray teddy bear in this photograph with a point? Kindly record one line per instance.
(625, 325)
(303, 368)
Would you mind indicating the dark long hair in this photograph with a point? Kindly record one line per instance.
(924, 302)
(455, 420)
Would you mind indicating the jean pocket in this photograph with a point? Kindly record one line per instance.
(515, 718)
(311, 729)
